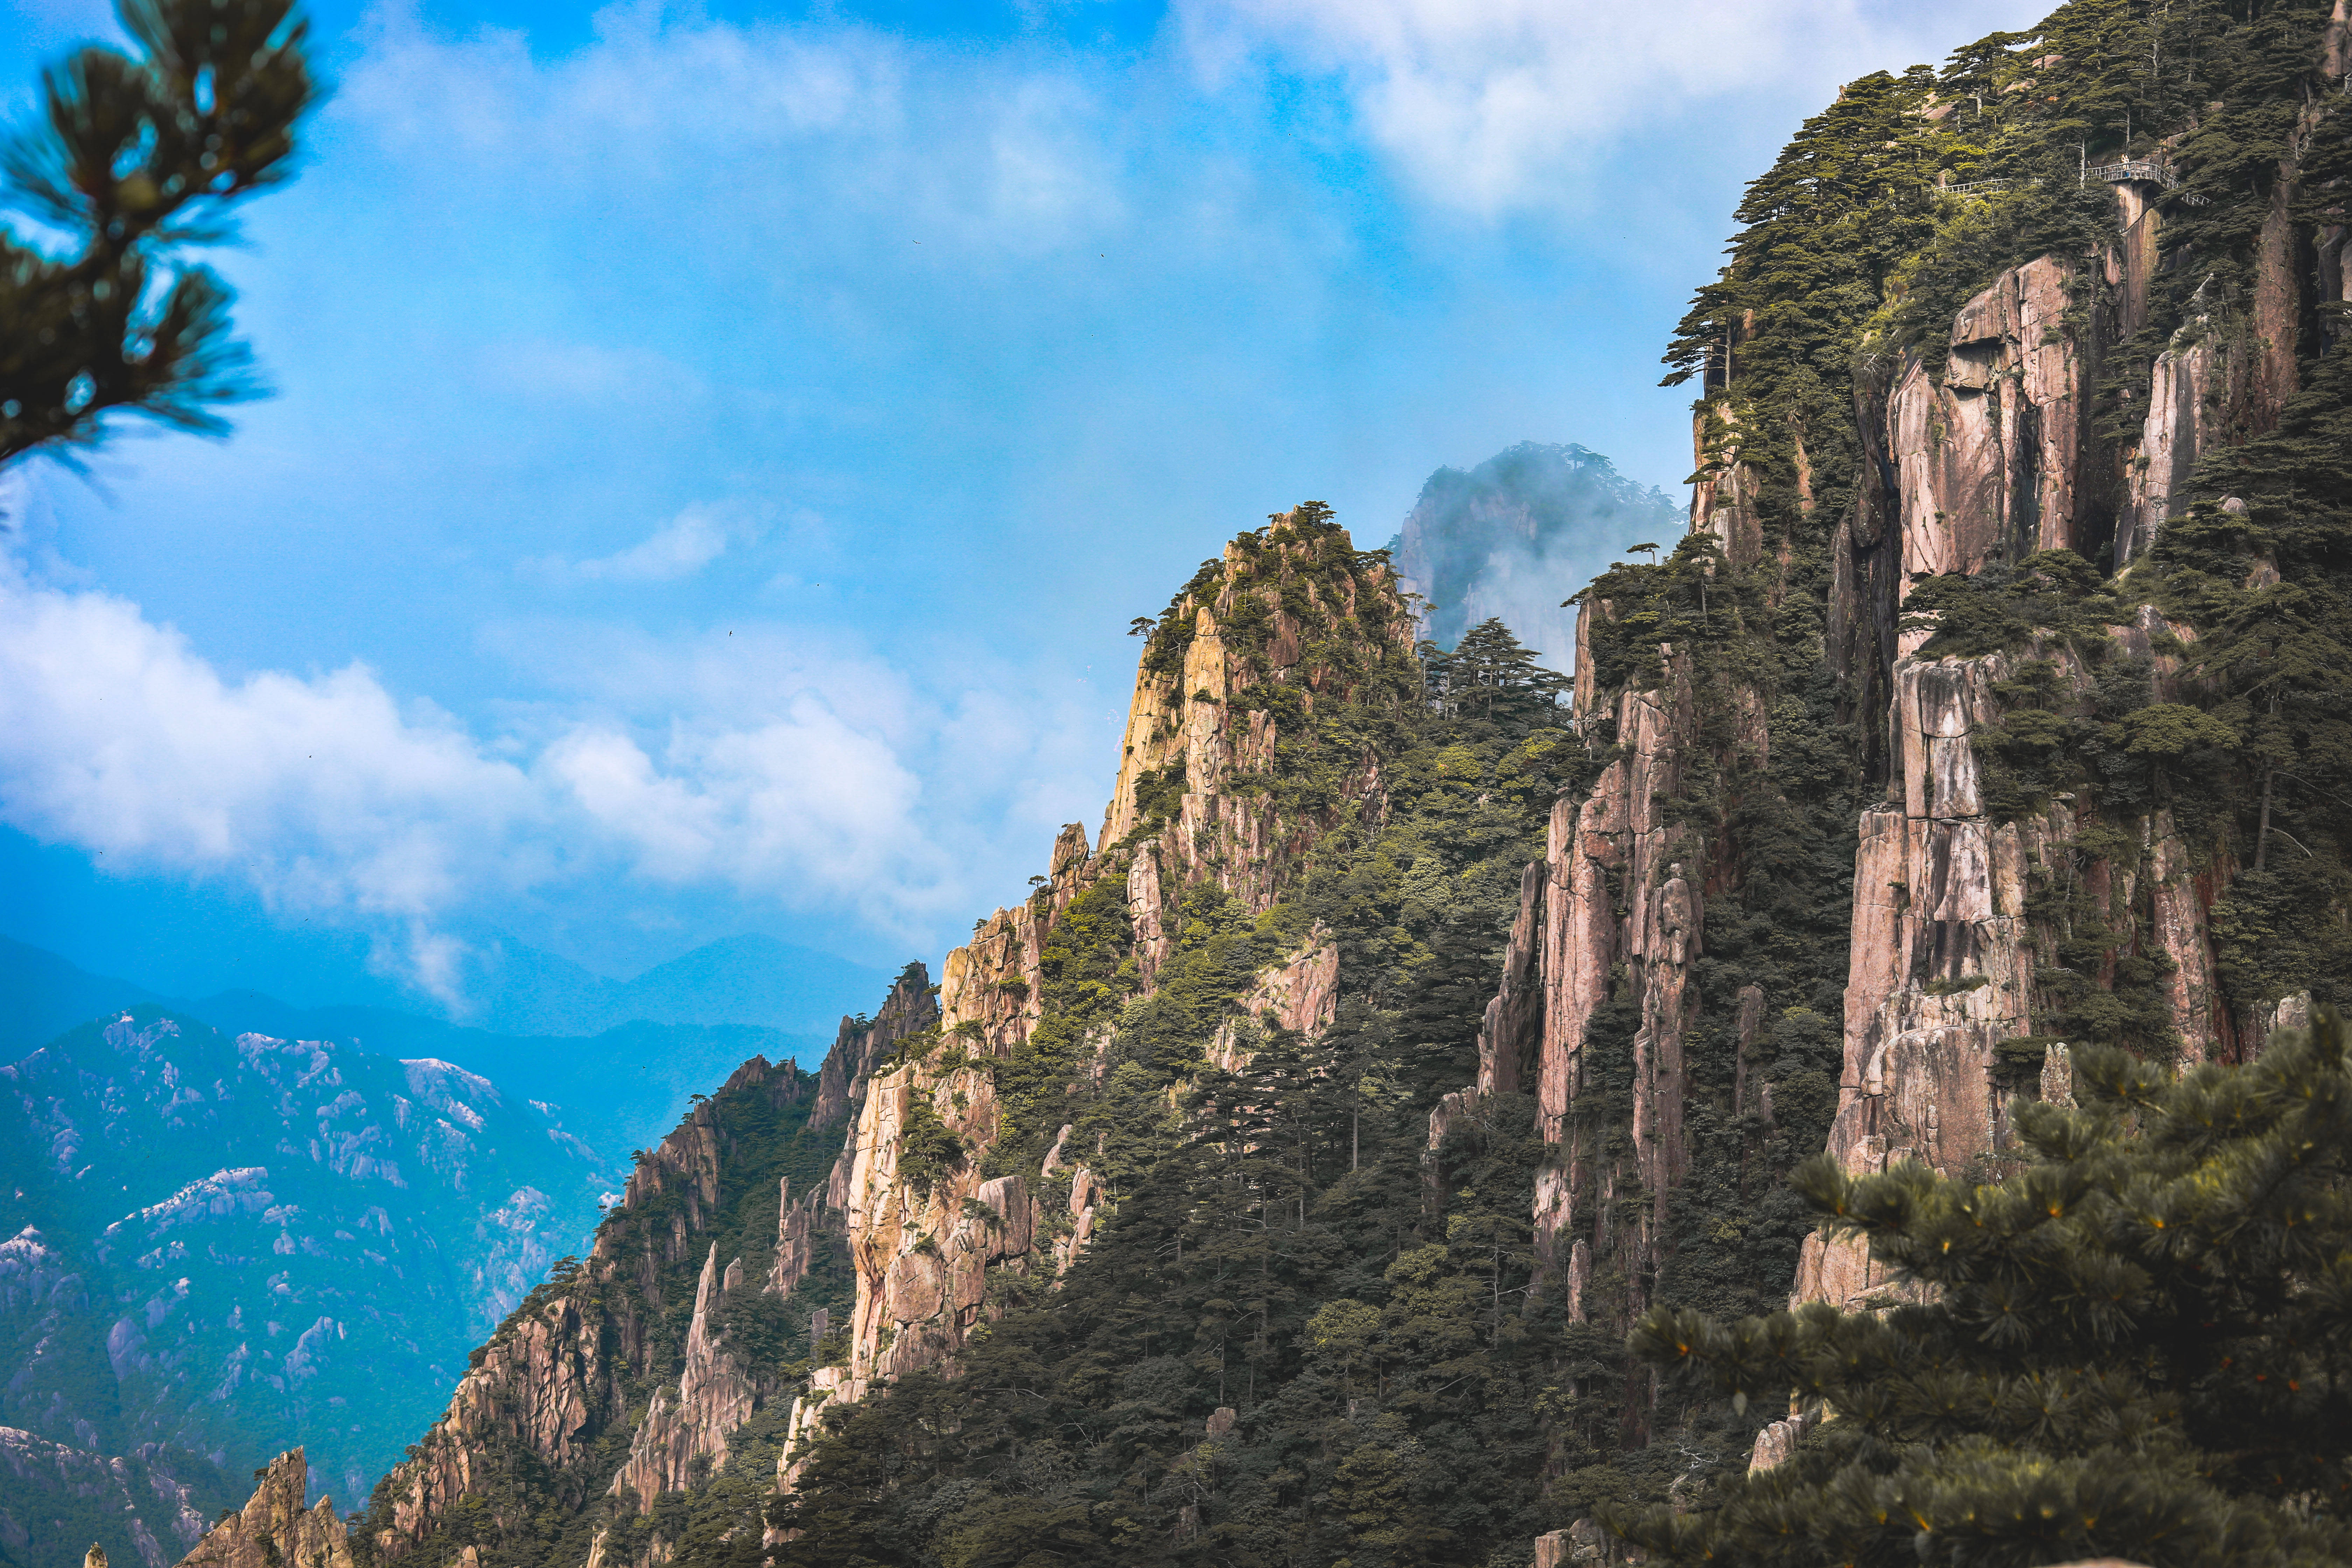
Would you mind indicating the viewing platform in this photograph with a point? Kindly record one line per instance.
(2130, 170)
(2146, 172)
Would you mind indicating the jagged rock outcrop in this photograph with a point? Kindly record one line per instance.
(1723, 500)
(561, 1376)
(1614, 913)
(684, 1436)
(1187, 807)
(1583, 1541)
(906, 1011)
(2182, 411)
(274, 1529)
(1776, 1444)
(559, 1373)
(795, 1239)
(1944, 957)
(1941, 967)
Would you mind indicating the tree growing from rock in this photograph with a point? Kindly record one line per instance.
(1489, 676)
(2138, 1346)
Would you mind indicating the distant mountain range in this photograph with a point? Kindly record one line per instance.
(516, 990)
(1518, 534)
(227, 1222)
(208, 1242)
(613, 1061)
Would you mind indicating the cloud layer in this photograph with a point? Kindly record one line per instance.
(785, 776)
(1496, 105)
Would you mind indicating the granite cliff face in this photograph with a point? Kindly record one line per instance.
(1189, 807)
(1949, 959)
(1993, 913)
(631, 1375)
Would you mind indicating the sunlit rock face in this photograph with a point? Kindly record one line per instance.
(274, 1529)
(1990, 455)
(923, 1245)
(1985, 460)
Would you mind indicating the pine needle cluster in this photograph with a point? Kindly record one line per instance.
(136, 160)
(2140, 1345)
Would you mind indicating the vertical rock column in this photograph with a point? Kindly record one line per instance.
(1940, 968)
(1617, 889)
(274, 1529)
(714, 1396)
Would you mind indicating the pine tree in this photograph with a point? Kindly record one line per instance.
(1489, 676)
(139, 159)
(2138, 1346)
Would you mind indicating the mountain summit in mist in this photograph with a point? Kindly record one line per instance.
(1520, 532)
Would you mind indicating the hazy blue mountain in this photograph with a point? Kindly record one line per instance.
(333, 1224)
(177, 936)
(516, 989)
(181, 941)
(222, 1244)
(42, 995)
(618, 1088)
(1520, 532)
(146, 1508)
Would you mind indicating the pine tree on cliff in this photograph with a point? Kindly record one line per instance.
(2139, 1346)
(1490, 676)
(2262, 568)
(139, 159)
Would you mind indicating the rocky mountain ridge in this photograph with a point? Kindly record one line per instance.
(1967, 722)
(633, 1374)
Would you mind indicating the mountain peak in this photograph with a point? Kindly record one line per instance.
(1515, 535)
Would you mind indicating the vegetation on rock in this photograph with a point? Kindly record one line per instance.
(2136, 1347)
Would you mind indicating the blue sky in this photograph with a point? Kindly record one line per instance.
(716, 450)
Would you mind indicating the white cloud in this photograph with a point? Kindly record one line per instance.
(1494, 104)
(117, 737)
(791, 777)
(803, 796)
(683, 545)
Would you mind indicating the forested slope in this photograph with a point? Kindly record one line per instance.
(1279, 1182)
